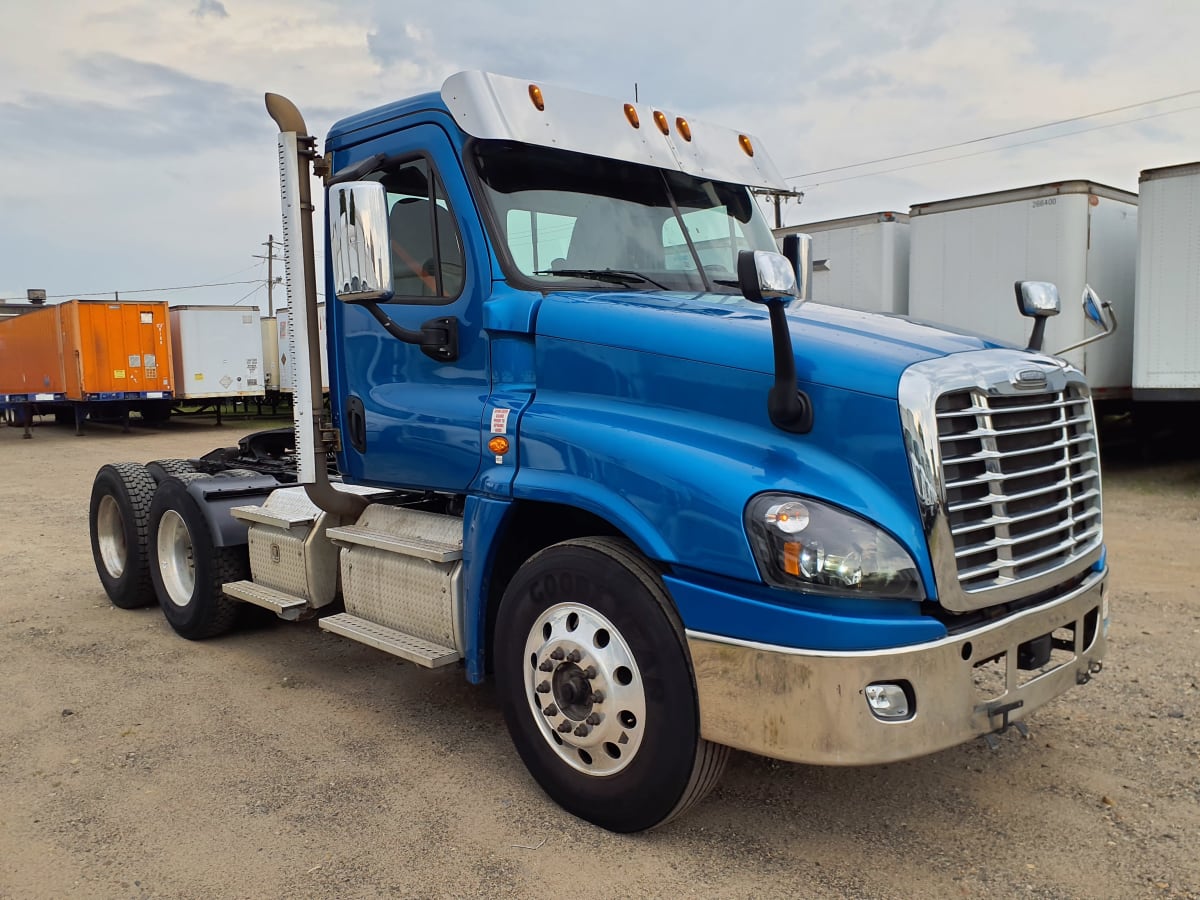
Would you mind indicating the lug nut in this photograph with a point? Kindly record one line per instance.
(550, 710)
(557, 653)
(597, 696)
(589, 673)
(582, 730)
(564, 726)
(574, 656)
(594, 719)
(546, 666)
(543, 688)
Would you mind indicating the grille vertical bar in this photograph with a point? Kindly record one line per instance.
(1022, 482)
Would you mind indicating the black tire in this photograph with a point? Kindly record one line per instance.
(118, 520)
(188, 571)
(629, 769)
(162, 469)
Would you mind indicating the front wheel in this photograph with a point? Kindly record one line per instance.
(596, 687)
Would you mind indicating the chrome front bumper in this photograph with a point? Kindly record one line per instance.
(809, 706)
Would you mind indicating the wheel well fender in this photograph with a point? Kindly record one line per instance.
(516, 533)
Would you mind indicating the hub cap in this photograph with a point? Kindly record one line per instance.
(585, 689)
(110, 536)
(176, 562)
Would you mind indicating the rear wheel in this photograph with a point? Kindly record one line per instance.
(118, 519)
(596, 687)
(162, 469)
(187, 568)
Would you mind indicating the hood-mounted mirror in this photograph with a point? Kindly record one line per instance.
(1100, 313)
(1038, 300)
(770, 279)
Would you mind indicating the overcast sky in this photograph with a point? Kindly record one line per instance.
(137, 153)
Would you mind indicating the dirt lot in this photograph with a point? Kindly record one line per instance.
(282, 761)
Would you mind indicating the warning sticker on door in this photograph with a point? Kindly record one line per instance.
(500, 421)
(118, 373)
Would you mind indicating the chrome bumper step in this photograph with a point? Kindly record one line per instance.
(283, 605)
(406, 545)
(389, 640)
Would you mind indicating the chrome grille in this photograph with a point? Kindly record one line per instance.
(1021, 474)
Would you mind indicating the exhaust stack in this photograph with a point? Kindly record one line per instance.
(297, 150)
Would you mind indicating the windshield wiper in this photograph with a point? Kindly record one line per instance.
(615, 276)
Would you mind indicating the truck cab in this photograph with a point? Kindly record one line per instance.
(589, 443)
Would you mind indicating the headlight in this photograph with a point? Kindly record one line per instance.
(806, 545)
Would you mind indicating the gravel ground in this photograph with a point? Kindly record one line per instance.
(283, 761)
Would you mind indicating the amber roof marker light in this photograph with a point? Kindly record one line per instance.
(684, 129)
(746, 144)
(660, 120)
(535, 94)
(632, 116)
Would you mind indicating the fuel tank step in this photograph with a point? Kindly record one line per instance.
(406, 545)
(283, 605)
(389, 640)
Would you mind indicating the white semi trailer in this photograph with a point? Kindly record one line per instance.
(218, 352)
(1166, 324)
(862, 261)
(966, 253)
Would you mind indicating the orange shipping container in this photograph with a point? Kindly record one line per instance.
(31, 359)
(98, 350)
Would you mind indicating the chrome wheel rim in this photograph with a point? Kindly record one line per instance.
(110, 536)
(176, 560)
(584, 689)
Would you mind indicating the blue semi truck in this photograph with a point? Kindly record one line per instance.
(585, 440)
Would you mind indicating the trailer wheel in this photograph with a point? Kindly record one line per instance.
(118, 520)
(188, 570)
(596, 687)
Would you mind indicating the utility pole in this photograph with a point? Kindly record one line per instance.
(271, 258)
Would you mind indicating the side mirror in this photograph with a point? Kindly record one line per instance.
(769, 278)
(1095, 308)
(1098, 311)
(798, 250)
(1038, 299)
(765, 276)
(358, 242)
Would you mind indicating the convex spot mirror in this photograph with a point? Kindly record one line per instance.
(763, 276)
(358, 242)
(1037, 298)
(1096, 309)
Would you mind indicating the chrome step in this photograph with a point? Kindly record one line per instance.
(283, 605)
(397, 643)
(406, 545)
(264, 516)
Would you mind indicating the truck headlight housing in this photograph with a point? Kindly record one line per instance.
(806, 545)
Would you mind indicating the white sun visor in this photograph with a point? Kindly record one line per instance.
(496, 107)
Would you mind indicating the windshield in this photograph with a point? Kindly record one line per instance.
(569, 216)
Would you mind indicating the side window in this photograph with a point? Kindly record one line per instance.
(715, 235)
(538, 239)
(427, 253)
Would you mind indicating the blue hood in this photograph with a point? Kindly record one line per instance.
(857, 351)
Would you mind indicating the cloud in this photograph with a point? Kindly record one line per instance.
(210, 8)
(161, 110)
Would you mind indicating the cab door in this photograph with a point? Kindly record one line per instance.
(406, 419)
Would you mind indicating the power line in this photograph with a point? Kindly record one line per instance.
(1003, 134)
(252, 292)
(1043, 140)
(160, 290)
